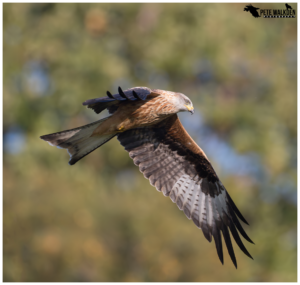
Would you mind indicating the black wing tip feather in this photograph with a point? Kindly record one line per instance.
(236, 210)
(238, 225)
(228, 243)
(251, 241)
(132, 94)
(226, 235)
(224, 224)
(135, 95)
(218, 242)
(123, 95)
(238, 239)
(109, 95)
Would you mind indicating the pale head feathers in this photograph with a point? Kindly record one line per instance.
(182, 103)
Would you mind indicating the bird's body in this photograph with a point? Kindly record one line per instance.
(145, 122)
(130, 115)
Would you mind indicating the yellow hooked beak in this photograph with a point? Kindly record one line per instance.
(190, 108)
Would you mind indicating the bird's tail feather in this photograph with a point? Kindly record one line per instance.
(78, 141)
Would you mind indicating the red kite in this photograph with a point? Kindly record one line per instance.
(145, 122)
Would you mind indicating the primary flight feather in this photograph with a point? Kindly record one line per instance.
(145, 122)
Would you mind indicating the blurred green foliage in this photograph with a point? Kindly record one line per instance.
(100, 220)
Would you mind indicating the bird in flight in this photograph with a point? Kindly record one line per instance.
(145, 122)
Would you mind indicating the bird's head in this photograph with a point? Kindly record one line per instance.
(185, 104)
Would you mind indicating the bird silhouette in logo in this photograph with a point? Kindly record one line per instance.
(252, 10)
(288, 6)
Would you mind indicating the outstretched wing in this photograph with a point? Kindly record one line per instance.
(178, 167)
(111, 101)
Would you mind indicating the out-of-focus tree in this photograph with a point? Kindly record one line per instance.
(100, 220)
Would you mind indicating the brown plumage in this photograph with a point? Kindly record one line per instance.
(146, 124)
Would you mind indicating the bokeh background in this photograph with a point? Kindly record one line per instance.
(101, 220)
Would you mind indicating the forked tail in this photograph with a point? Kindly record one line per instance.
(78, 141)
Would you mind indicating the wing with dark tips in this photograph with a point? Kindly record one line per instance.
(177, 167)
(132, 94)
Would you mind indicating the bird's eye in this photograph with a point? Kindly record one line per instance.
(187, 102)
